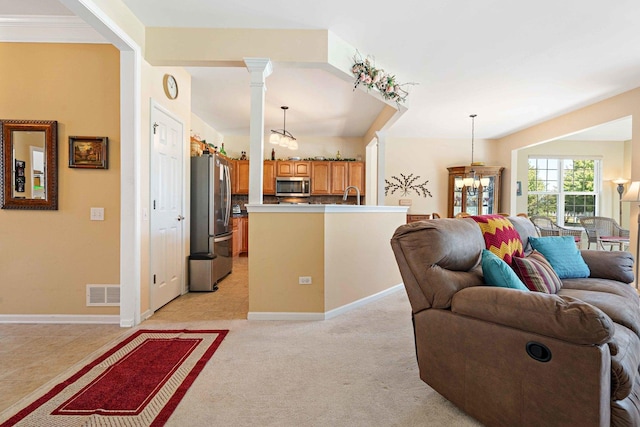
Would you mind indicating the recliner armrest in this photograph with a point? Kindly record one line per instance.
(561, 317)
(614, 265)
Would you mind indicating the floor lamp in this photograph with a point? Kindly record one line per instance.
(620, 182)
(633, 195)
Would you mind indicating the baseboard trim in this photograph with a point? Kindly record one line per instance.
(264, 315)
(363, 301)
(60, 318)
(281, 315)
(147, 314)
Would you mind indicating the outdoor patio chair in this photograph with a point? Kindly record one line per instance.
(546, 227)
(604, 231)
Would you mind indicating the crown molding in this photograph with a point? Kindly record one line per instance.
(47, 29)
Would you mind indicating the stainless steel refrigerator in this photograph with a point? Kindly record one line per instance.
(211, 231)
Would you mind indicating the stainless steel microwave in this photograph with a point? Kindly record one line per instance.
(293, 186)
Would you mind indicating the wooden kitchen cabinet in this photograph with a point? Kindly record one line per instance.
(417, 217)
(293, 168)
(240, 229)
(356, 176)
(237, 235)
(269, 177)
(482, 201)
(344, 174)
(240, 181)
(245, 236)
(320, 178)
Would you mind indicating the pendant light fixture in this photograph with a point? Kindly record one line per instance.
(472, 182)
(281, 136)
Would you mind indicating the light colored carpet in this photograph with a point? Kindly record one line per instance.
(358, 369)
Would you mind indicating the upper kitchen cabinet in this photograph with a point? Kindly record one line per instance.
(240, 181)
(345, 174)
(269, 177)
(293, 168)
(320, 178)
(480, 198)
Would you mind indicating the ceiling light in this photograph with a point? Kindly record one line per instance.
(471, 182)
(281, 136)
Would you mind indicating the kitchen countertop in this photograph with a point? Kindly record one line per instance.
(285, 208)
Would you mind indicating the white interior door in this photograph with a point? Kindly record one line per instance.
(167, 260)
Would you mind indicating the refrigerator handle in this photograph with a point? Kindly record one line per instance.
(210, 183)
(226, 171)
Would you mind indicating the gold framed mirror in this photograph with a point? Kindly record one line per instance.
(29, 164)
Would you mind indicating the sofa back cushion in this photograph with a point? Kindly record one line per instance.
(525, 229)
(437, 258)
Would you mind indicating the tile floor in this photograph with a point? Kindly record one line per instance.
(31, 355)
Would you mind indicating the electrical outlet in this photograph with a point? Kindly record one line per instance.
(304, 280)
(97, 214)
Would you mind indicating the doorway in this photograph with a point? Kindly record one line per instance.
(166, 207)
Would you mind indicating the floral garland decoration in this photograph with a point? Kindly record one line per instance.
(367, 74)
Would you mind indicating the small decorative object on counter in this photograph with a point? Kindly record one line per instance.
(222, 151)
(338, 156)
(243, 156)
(196, 149)
(273, 154)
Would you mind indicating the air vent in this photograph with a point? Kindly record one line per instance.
(103, 295)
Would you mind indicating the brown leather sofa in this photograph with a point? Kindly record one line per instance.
(515, 358)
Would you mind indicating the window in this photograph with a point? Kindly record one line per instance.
(563, 189)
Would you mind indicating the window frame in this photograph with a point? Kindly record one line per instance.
(561, 193)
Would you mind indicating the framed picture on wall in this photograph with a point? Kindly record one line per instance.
(88, 152)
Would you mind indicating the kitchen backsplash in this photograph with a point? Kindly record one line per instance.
(241, 200)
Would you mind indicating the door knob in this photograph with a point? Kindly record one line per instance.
(180, 217)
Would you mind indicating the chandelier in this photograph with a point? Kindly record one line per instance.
(281, 137)
(472, 182)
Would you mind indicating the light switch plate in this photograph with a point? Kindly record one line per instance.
(97, 214)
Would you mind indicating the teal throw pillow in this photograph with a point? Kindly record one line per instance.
(498, 273)
(562, 254)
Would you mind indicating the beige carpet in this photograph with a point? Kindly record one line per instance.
(358, 369)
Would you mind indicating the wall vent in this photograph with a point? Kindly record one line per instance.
(103, 295)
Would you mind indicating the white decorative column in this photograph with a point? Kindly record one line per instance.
(382, 146)
(260, 69)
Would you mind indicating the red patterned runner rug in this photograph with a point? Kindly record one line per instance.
(139, 382)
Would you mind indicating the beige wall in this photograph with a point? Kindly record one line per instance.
(359, 261)
(347, 255)
(617, 107)
(48, 257)
(285, 246)
(429, 159)
(309, 146)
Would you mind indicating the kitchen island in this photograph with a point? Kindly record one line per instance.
(342, 250)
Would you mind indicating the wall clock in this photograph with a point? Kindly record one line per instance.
(170, 86)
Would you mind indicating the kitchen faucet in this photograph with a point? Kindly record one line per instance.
(346, 193)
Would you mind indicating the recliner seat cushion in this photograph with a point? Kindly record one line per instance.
(620, 309)
(603, 285)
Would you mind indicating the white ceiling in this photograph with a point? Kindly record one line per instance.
(513, 63)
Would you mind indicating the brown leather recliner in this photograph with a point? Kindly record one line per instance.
(515, 358)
